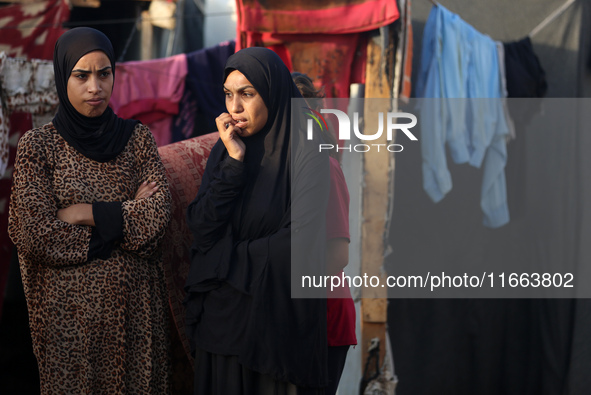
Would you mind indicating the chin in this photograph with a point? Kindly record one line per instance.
(95, 113)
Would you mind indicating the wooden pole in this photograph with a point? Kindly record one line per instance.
(376, 168)
(147, 31)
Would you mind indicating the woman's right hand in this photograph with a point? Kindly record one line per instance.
(145, 190)
(229, 135)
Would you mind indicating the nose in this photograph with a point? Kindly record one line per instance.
(235, 104)
(94, 85)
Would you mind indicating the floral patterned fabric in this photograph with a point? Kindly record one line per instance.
(184, 162)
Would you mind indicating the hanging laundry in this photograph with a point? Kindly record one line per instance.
(460, 70)
(204, 98)
(504, 93)
(31, 29)
(525, 75)
(150, 91)
(525, 78)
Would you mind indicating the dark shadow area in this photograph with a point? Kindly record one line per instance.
(18, 367)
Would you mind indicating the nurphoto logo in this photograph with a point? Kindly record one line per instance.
(344, 129)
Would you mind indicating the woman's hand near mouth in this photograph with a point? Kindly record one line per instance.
(230, 134)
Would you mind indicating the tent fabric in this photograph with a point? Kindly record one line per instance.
(327, 41)
(309, 17)
(504, 346)
(333, 61)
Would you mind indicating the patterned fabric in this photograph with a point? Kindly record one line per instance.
(184, 162)
(31, 29)
(98, 326)
(27, 86)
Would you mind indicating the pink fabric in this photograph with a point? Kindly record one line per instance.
(150, 91)
(340, 309)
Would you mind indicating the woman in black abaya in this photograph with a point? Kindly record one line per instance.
(260, 208)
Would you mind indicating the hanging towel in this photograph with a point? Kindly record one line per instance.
(150, 91)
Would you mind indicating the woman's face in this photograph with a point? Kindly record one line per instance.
(244, 104)
(90, 84)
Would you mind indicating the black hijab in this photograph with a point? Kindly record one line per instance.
(281, 336)
(99, 138)
(268, 152)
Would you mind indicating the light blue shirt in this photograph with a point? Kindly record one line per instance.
(459, 78)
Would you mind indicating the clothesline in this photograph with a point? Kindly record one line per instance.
(551, 18)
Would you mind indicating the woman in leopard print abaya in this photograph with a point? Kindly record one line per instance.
(89, 206)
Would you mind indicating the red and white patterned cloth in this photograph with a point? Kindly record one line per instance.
(30, 30)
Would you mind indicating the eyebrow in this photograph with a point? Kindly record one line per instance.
(240, 88)
(88, 71)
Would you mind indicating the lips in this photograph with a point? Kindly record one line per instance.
(241, 123)
(95, 101)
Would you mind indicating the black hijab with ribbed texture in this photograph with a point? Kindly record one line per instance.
(99, 138)
(280, 336)
(268, 152)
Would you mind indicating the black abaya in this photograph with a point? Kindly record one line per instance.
(245, 220)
